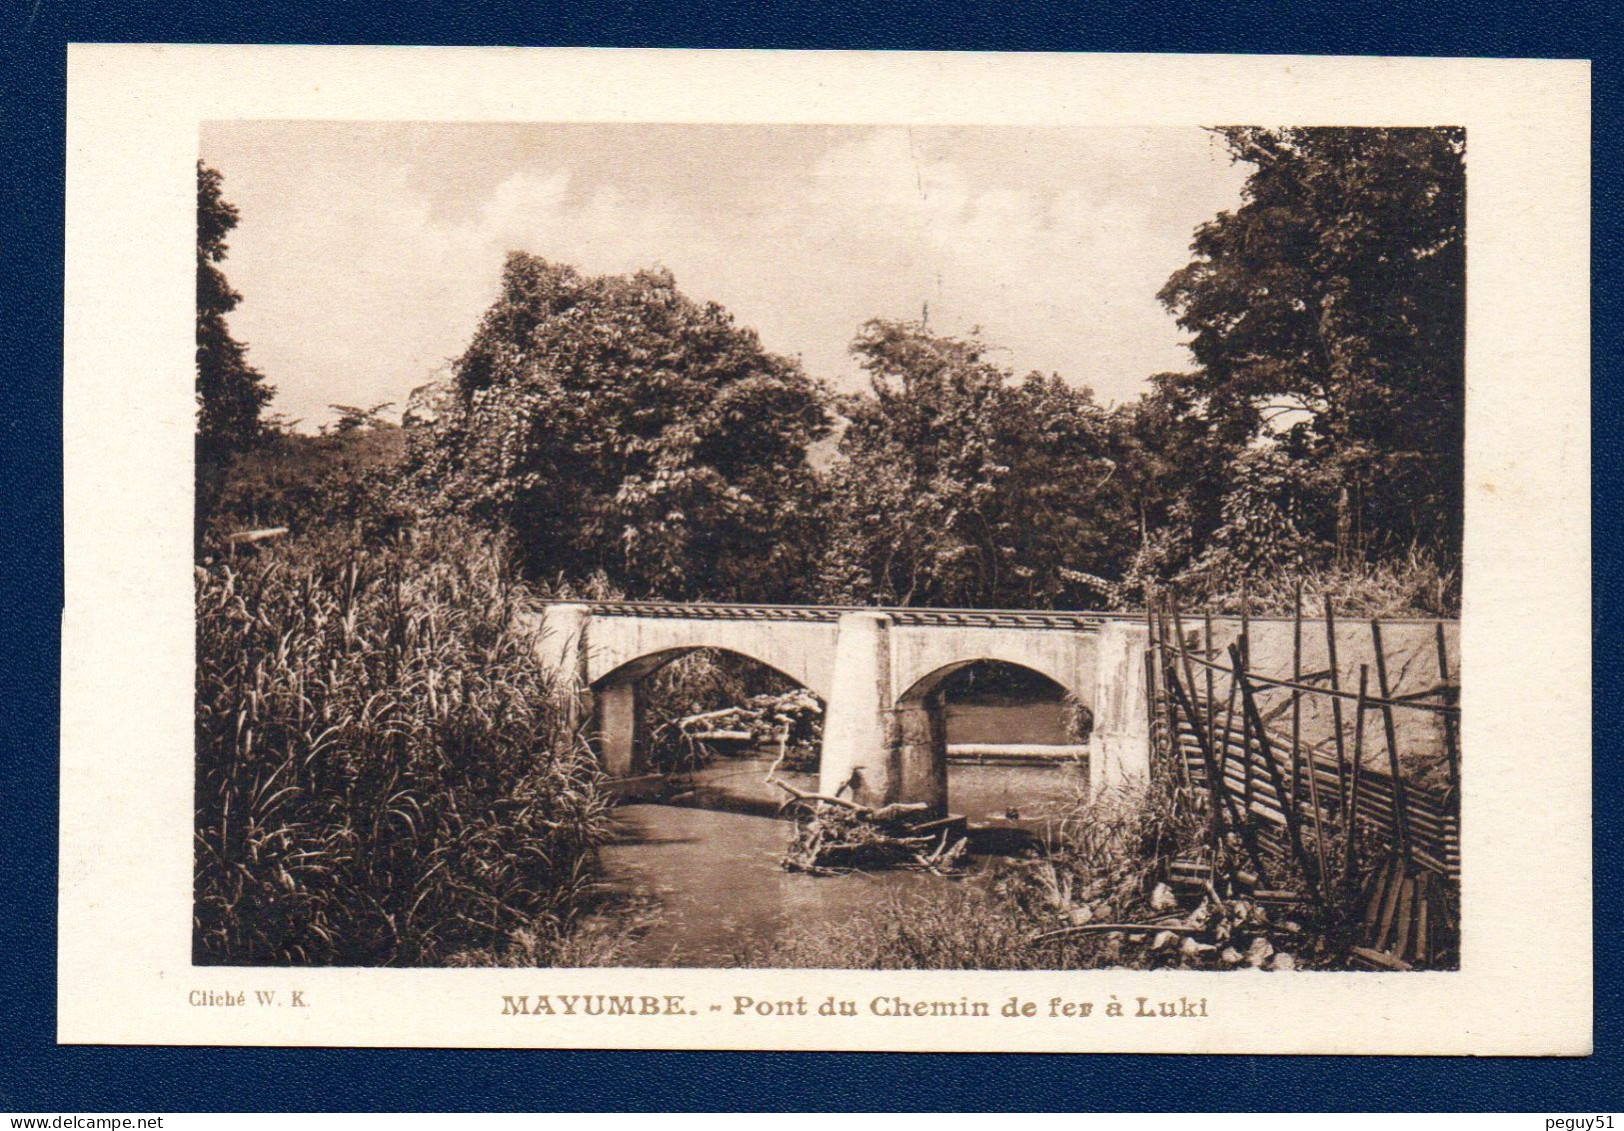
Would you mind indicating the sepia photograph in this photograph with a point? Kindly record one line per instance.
(827, 551)
(864, 547)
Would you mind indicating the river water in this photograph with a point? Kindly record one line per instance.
(709, 873)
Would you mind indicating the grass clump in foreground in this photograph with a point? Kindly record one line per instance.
(385, 776)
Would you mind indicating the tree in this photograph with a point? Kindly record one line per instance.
(231, 393)
(616, 426)
(958, 485)
(1328, 315)
(1173, 466)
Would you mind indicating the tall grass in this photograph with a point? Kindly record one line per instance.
(384, 773)
(956, 929)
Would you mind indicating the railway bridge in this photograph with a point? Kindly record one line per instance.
(879, 671)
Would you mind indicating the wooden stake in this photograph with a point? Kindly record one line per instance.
(1400, 802)
(1406, 915)
(1293, 826)
(1423, 919)
(1150, 619)
(1297, 696)
(1373, 907)
(1220, 790)
(1150, 699)
(1186, 693)
(1246, 627)
(1220, 800)
(1184, 652)
(1350, 873)
(1212, 702)
(1450, 747)
(1395, 890)
(1172, 718)
(1229, 728)
(1336, 709)
(1296, 733)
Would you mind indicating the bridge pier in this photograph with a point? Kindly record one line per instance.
(875, 750)
(1119, 747)
(564, 651)
(857, 757)
(918, 735)
(621, 738)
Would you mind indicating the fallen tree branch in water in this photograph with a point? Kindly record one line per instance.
(891, 812)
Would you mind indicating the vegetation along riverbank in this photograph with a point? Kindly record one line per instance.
(386, 775)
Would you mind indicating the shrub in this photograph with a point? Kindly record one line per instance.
(1415, 585)
(345, 478)
(384, 773)
(963, 929)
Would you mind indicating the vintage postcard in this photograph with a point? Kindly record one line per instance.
(826, 551)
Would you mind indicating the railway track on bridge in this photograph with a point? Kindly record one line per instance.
(905, 615)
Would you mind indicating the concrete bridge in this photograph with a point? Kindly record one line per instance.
(879, 672)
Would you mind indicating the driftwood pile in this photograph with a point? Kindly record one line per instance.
(835, 835)
(793, 721)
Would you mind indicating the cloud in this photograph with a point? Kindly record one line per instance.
(360, 280)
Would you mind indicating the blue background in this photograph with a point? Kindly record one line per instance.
(35, 1075)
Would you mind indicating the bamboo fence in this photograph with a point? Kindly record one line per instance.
(1363, 838)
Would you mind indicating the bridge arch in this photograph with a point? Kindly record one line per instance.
(923, 659)
(931, 682)
(919, 723)
(618, 702)
(638, 669)
(620, 647)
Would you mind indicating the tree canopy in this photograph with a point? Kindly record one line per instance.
(959, 485)
(1328, 320)
(617, 427)
(634, 440)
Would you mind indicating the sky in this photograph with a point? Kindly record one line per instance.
(367, 252)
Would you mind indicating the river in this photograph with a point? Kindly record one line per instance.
(706, 868)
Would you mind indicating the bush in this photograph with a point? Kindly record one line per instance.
(964, 929)
(347, 478)
(1416, 585)
(384, 774)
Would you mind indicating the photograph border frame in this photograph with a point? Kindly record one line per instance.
(335, 1079)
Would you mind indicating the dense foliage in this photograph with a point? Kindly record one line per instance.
(345, 477)
(631, 440)
(384, 775)
(958, 485)
(1328, 323)
(612, 424)
(231, 393)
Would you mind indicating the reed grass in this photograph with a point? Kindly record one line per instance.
(385, 775)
